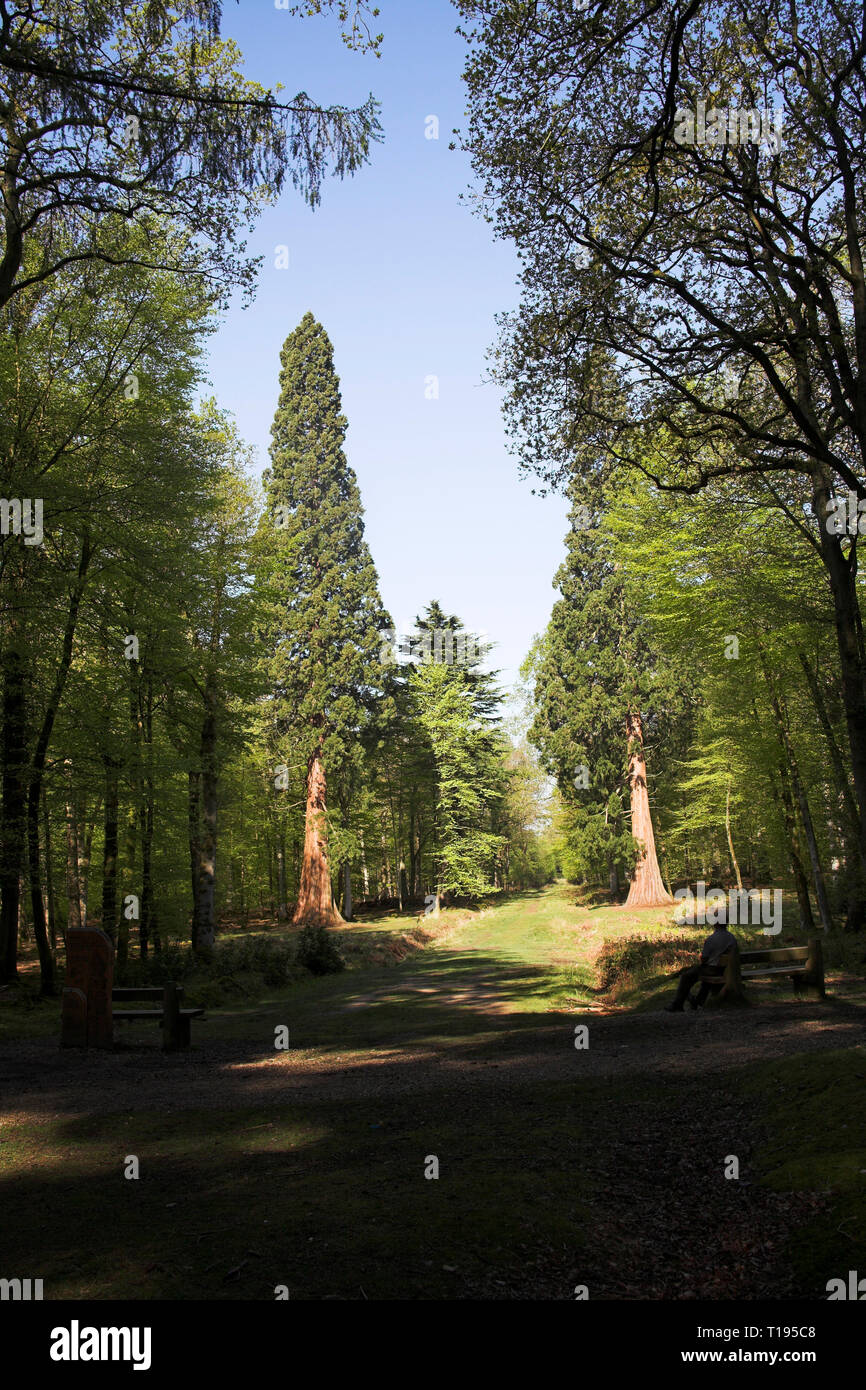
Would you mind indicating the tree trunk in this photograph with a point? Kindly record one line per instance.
(347, 890)
(398, 858)
(856, 877)
(14, 838)
(836, 758)
(129, 873)
(613, 879)
(736, 866)
(365, 876)
(801, 882)
(193, 822)
(148, 929)
(145, 824)
(387, 890)
(205, 889)
(36, 773)
(86, 839)
(133, 821)
(282, 892)
(812, 844)
(47, 986)
(666, 880)
(787, 747)
(647, 889)
(73, 895)
(23, 932)
(413, 864)
(49, 876)
(270, 858)
(109, 851)
(315, 900)
(841, 572)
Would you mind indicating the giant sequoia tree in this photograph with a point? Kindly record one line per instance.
(597, 682)
(326, 614)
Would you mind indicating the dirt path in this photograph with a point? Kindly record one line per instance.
(480, 1008)
(37, 1078)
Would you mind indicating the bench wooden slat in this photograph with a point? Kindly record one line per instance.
(784, 953)
(748, 974)
(155, 992)
(154, 1013)
(776, 970)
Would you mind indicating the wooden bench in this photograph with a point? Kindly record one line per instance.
(175, 1021)
(803, 964)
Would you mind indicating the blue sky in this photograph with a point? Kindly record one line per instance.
(407, 283)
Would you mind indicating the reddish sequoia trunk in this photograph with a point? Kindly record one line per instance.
(647, 889)
(315, 901)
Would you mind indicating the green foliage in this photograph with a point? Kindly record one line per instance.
(317, 951)
(324, 618)
(594, 663)
(523, 818)
(146, 108)
(729, 564)
(646, 273)
(627, 956)
(274, 961)
(468, 777)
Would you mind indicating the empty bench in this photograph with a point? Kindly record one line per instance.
(803, 964)
(174, 1020)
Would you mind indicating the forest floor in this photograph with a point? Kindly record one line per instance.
(559, 1166)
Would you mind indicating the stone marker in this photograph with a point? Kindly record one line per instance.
(73, 1018)
(86, 1005)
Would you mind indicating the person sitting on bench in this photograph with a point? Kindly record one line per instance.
(715, 946)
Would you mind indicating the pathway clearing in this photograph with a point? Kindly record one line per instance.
(560, 1166)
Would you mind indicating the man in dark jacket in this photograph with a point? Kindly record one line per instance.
(715, 946)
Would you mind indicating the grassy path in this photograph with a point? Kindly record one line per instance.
(557, 1167)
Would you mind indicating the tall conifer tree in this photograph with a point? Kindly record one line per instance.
(598, 688)
(326, 616)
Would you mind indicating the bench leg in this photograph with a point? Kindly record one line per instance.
(177, 1037)
(815, 966)
(170, 1019)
